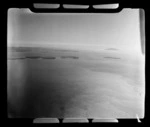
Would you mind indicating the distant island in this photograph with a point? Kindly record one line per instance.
(111, 49)
(111, 57)
(72, 57)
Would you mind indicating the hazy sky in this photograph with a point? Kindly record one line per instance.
(119, 30)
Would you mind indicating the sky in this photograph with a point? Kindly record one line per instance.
(84, 30)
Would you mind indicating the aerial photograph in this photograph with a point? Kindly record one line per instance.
(75, 65)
